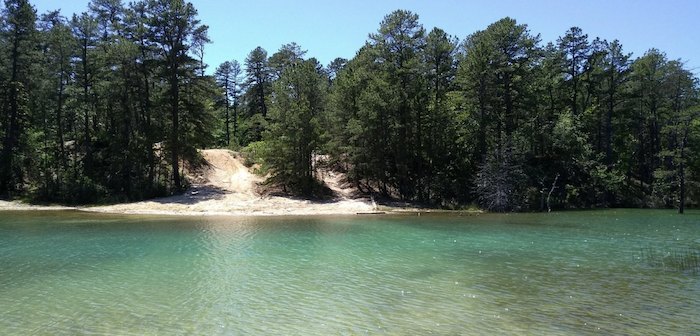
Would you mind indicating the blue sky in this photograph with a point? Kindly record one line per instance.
(330, 29)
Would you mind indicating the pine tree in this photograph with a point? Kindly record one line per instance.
(57, 46)
(19, 36)
(576, 50)
(436, 131)
(228, 79)
(397, 47)
(175, 30)
(294, 134)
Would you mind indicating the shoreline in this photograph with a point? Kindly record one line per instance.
(263, 207)
(21, 206)
(226, 187)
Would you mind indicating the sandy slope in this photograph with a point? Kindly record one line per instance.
(226, 187)
(19, 206)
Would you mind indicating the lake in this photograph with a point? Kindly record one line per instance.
(588, 272)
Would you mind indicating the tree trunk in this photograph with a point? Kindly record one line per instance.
(86, 98)
(12, 129)
(481, 136)
(59, 120)
(509, 123)
(228, 121)
(7, 178)
(681, 191)
(235, 120)
(551, 190)
(608, 124)
(147, 112)
(681, 172)
(574, 84)
(174, 137)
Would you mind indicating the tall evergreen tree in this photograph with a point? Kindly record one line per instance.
(294, 134)
(228, 79)
(397, 49)
(57, 46)
(670, 177)
(19, 37)
(496, 72)
(175, 30)
(335, 66)
(288, 55)
(648, 106)
(137, 22)
(436, 131)
(616, 70)
(576, 51)
(85, 30)
(257, 87)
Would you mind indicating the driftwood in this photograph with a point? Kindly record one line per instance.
(551, 190)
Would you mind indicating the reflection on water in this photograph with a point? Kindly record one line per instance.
(561, 273)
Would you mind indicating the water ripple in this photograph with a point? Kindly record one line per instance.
(530, 274)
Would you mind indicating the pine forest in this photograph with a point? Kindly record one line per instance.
(111, 105)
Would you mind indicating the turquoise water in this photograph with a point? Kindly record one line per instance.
(71, 273)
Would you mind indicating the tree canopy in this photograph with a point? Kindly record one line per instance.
(113, 103)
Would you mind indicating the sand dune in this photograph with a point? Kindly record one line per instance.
(225, 186)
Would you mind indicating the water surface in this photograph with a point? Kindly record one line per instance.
(546, 274)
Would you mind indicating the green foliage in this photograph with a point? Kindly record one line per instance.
(288, 55)
(255, 153)
(18, 37)
(228, 78)
(257, 81)
(494, 75)
(96, 97)
(177, 33)
(294, 133)
(107, 106)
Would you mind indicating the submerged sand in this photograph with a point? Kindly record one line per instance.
(225, 186)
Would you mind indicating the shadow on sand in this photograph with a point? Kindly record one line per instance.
(195, 195)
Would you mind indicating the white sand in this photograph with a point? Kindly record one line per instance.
(19, 206)
(227, 187)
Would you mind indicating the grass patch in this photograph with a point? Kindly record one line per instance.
(680, 260)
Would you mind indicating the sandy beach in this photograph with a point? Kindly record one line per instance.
(225, 186)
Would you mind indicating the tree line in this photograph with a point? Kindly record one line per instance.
(104, 105)
(111, 103)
